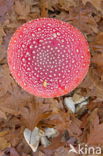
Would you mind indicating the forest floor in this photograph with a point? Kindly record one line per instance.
(82, 123)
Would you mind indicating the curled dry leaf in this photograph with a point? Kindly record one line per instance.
(44, 8)
(84, 14)
(60, 120)
(11, 151)
(97, 43)
(11, 96)
(62, 151)
(95, 137)
(66, 4)
(56, 142)
(22, 8)
(89, 88)
(33, 113)
(2, 34)
(95, 76)
(3, 115)
(96, 3)
(5, 6)
(75, 127)
(61, 4)
(98, 60)
(55, 104)
(2, 47)
(3, 141)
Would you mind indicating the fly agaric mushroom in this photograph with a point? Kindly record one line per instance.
(48, 57)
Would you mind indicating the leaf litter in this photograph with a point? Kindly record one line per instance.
(20, 110)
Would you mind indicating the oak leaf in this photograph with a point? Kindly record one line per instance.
(95, 137)
(96, 3)
(33, 113)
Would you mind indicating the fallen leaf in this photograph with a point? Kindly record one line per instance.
(3, 143)
(24, 154)
(96, 3)
(15, 134)
(82, 18)
(98, 59)
(74, 128)
(12, 97)
(55, 144)
(97, 43)
(1, 153)
(95, 76)
(2, 34)
(5, 6)
(62, 151)
(44, 8)
(3, 115)
(22, 8)
(34, 112)
(12, 152)
(3, 133)
(66, 4)
(95, 137)
(59, 120)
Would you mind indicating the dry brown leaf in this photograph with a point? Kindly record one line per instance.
(3, 115)
(14, 129)
(75, 127)
(34, 112)
(59, 120)
(61, 5)
(96, 3)
(97, 43)
(90, 88)
(98, 60)
(12, 152)
(95, 137)
(44, 8)
(3, 133)
(56, 142)
(55, 104)
(22, 8)
(4, 143)
(12, 97)
(24, 154)
(2, 34)
(15, 136)
(62, 151)
(23, 147)
(82, 18)
(66, 4)
(95, 76)
(2, 54)
(52, 5)
(5, 6)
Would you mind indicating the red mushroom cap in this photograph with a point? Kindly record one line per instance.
(48, 57)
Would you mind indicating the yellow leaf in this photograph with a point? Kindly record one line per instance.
(3, 143)
(3, 133)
